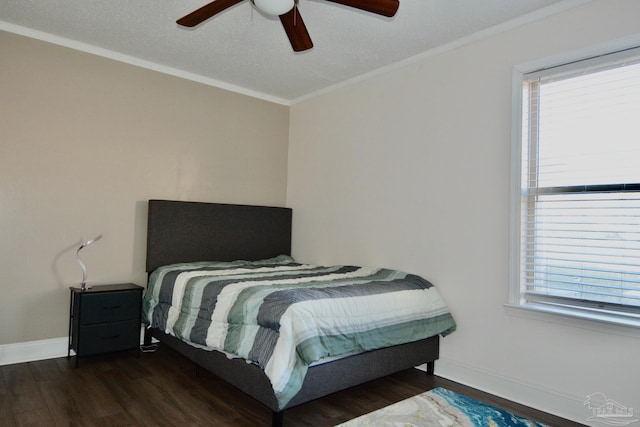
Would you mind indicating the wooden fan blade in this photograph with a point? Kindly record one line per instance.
(206, 12)
(296, 30)
(380, 7)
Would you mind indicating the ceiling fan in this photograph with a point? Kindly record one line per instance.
(287, 11)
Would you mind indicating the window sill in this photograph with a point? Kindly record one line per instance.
(609, 323)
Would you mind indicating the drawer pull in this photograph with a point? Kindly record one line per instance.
(110, 337)
(112, 307)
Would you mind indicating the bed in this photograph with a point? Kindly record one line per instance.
(243, 241)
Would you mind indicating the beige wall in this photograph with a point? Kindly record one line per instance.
(411, 170)
(84, 142)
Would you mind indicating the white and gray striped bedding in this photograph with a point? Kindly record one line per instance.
(284, 316)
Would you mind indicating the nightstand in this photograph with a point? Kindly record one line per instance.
(104, 319)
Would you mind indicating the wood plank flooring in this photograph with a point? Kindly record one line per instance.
(162, 389)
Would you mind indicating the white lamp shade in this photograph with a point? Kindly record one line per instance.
(274, 7)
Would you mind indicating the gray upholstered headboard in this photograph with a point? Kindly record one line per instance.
(194, 231)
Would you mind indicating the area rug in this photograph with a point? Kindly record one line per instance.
(440, 408)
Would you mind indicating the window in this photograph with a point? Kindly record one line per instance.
(577, 207)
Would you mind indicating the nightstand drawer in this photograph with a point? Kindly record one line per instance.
(101, 338)
(110, 307)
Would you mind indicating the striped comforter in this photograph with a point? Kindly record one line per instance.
(283, 316)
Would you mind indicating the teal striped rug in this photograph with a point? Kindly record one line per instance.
(439, 408)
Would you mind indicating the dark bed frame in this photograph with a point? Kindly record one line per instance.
(194, 231)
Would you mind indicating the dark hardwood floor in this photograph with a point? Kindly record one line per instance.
(162, 389)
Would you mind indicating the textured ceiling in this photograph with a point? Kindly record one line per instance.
(243, 50)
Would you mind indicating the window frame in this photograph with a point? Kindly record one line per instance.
(559, 63)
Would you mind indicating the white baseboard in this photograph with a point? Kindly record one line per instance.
(547, 400)
(33, 350)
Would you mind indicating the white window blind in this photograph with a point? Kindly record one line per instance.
(580, 192)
